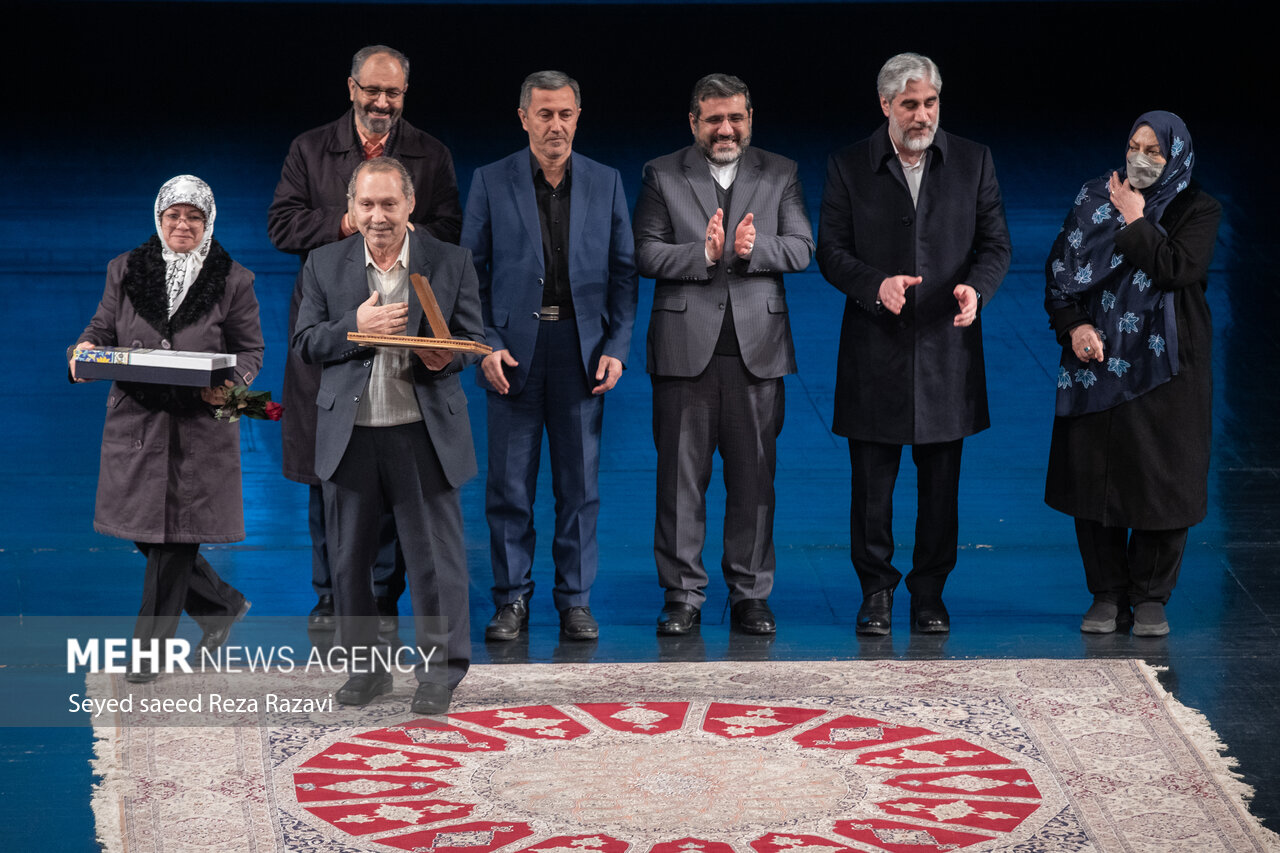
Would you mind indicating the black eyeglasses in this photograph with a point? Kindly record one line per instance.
(375, 91)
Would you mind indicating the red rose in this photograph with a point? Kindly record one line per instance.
(274, 411)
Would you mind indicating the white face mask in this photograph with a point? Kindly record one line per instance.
(1142, 170)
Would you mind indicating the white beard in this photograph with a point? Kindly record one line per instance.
(919, 143)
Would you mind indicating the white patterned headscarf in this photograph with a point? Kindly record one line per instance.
(181, 268)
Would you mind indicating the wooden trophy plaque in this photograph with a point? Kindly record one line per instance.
(441, 338)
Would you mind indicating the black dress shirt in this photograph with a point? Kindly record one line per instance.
(553, 215)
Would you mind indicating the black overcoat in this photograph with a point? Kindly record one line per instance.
(306, 213)
(912, 378)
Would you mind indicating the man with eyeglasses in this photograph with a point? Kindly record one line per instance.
(309, 211)
(717, 225)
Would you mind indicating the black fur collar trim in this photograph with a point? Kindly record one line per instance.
(144, 285)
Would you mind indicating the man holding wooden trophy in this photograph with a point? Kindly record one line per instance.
(392, 426)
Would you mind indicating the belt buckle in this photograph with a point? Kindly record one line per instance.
(550, 313)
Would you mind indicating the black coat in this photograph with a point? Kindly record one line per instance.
(306, 213)
(911, 378)
(1145, 463)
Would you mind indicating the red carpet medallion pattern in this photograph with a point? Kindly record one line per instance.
(899, 756)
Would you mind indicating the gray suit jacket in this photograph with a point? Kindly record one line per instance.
(334, 283)
(677, 199)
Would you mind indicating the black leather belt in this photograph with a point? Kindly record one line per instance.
(552, 313)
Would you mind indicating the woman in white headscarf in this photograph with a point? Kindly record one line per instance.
(169, 478)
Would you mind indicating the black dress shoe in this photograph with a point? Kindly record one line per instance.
(875, 616)
(363, 687)
(509, 621)
(431, 698)
(322, 614)
(678, 618)
(752, 616)
(577, 623)
(145, 673)
(217, 635)
(388, 616)
(929, 616)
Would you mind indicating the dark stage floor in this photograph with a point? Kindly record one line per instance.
(1017, 592)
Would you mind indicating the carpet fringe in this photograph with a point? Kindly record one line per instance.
(110, 793)
(1195, 726)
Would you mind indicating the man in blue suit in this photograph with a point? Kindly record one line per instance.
(551, 242)
(392, 431)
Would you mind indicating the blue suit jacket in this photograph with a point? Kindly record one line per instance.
(334, 283)
(501, 228)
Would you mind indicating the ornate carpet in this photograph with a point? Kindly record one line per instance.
(833, 757)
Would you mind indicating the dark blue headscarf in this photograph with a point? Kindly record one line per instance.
(1134, 319)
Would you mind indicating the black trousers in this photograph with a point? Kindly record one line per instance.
(1130, 566)
(875, 471)
(177, 578)
(725, 407)
(388, 568)
(396, 469)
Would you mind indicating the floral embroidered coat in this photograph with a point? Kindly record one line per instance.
(1144, 464)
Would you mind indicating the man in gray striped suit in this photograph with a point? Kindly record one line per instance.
(717, 224)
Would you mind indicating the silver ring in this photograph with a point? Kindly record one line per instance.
(1088, 349)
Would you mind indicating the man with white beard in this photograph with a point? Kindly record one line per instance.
(913, 232)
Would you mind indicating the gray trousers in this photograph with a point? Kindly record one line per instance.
(728, 409)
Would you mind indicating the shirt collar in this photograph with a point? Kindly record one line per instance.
(724, 173)
(366, 138)
(402, 259)
(537, 168)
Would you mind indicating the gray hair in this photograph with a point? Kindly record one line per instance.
(717, 86)
(363, 54)
(550, 80)
(381, 164)
(901, 70)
